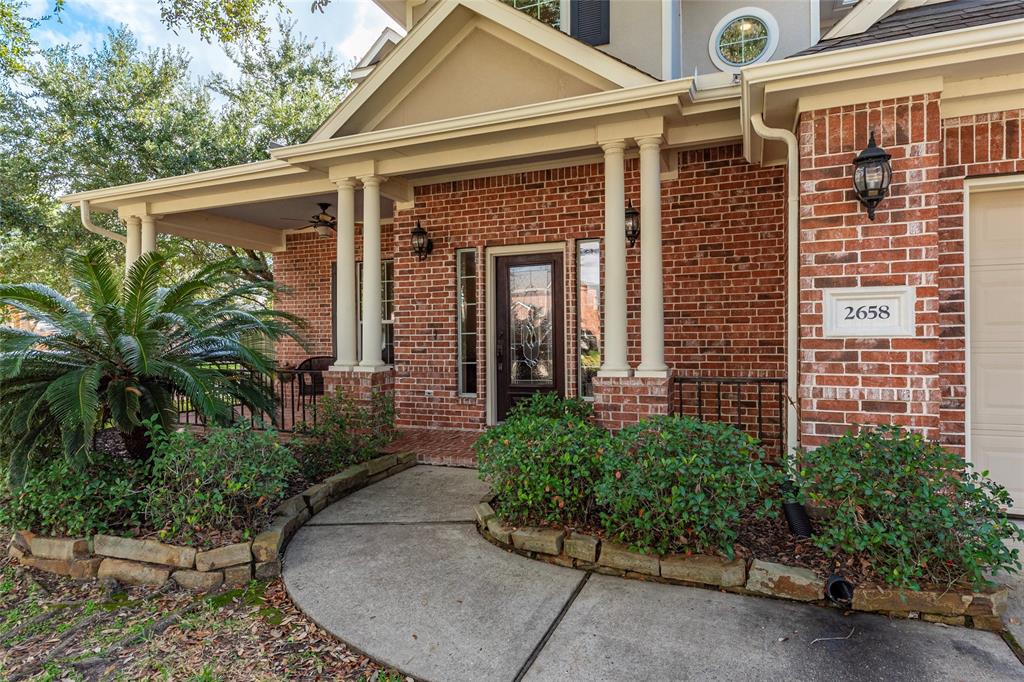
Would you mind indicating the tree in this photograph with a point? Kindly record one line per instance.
(121, 115)
(130, 347)
(75, 122)
(16, 44)
(284, 92)
(228, 21)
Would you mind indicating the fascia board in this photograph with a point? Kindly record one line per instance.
(862, 17)
(790, 79)
(829, 65)
(658, 94)
(257, 170)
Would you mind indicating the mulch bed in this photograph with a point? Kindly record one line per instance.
(147, 633)
(771, 540)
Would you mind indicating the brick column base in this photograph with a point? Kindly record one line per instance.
(359, 385)
(621, 401)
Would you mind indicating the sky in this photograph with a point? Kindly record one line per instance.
(349, 27)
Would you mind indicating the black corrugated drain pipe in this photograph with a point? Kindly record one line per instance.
(796, 515)
(839, 590)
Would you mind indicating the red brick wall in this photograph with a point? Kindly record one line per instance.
(723, 235)
(305, 269)
(725, 252)
(847, 381)
(916, 240)
(621, 401)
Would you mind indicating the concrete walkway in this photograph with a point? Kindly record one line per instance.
(398, 571)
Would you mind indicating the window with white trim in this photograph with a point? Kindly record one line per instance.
(387, 310)
(743, 37)
(548, 11)
(466, 314)
(589, 320)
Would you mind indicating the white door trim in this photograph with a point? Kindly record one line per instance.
(491, 254)
(994, 183)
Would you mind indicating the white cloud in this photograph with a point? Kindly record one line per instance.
(349, 27)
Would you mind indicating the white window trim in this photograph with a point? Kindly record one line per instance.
(458, 320)
(384, 323)
(579, 299)
(756, 12)
(564, 10)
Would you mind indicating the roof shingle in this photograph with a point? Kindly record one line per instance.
(925, 20)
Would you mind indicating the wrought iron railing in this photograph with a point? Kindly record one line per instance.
(296, 393)
(756, 405)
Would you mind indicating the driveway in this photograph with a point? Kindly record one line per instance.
(398, 571)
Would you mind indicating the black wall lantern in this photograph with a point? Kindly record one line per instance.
(422, 245)
(632, 223)
(872, 175)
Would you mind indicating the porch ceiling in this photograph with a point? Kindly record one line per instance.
(281, 214)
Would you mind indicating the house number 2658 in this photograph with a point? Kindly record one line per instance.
(867, 312)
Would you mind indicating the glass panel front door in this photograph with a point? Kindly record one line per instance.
(529, 346)
(530, 323)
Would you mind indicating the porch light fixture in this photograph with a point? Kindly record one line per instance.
(632, 223)
(872, 175)
(422, 245)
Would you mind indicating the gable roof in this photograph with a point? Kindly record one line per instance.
(385, 43)
(925, 20)
(437, 36)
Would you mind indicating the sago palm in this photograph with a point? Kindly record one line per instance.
(122, 347)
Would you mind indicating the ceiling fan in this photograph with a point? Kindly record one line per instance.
(323, 222)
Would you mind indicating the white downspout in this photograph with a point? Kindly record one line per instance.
(792, 272)
(88, 224)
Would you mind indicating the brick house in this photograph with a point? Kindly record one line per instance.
(520, 136)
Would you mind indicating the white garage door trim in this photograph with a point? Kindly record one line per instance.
(975, 186)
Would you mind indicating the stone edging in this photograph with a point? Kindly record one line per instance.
(148, 562)
(981, 610)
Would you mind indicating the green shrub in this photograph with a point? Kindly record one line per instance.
(676, 484)
(552, 406)
(69, 497)
(347, 432)
(919, 514)
(541, 467)
(227, 478)
(122, 347)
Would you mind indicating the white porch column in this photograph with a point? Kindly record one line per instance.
(148, 241)
(345, 275)
(614, 362)
(372, 356)
(652, 303)
(133, 242)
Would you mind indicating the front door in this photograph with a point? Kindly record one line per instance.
(529, 350)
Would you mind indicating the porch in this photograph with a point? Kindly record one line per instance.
(597, 233)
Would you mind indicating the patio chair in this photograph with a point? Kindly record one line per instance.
(311, 381)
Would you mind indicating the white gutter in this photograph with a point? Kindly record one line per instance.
(93, 227)
(792, 273)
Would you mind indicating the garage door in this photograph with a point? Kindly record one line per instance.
(996, 249)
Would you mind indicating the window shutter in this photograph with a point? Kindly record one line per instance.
(588, 21)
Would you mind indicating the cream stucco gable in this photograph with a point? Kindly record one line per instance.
(470, 58)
